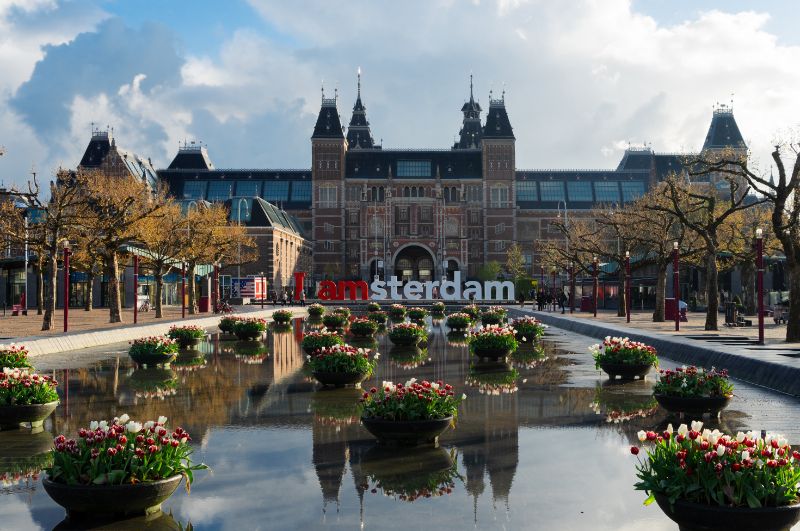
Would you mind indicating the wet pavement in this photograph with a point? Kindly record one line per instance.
(541, 442)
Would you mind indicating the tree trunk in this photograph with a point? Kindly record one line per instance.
(712, 296)
(190, 285)
(40, 287)
(749, 287)
(793, 324)
(158, 276)
(621, 307)
(114, 301)
(50, 295)
(88, 305)
(661, 292)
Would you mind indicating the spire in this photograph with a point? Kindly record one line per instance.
(328, 123)
(359, 135)
(471, 130)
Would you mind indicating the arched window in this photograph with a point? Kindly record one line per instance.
(381, 194)
(369, 194)
(413, 191)
(406, 192)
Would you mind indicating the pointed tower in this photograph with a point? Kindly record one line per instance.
(723, 133)
(328, 147)
(359, 135)
(471, 130)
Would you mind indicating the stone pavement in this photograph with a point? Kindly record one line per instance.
(94, 330)
(775, 365)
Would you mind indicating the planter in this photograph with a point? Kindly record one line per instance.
(12, 416)
(340, 379)
(405, 341)
(626, 371)
(249, 335)
(189, 342)
(701, 517)
(141, 498)
(693, 405)
(151, 359)
(491, 353)
(406, 432)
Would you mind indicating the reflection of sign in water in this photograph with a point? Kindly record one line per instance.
(253, 287)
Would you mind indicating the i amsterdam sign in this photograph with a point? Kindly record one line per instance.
(396, 290)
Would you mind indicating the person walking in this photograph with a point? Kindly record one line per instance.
(303, 298)
(562, 300)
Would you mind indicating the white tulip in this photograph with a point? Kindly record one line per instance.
(435, 386)
(706, 433)
(669, 428)
(720, 450)
(759, 463)
(713, 439)
(463, 396)
(682, 429)
(781, 442)
(93, 425)
(149, 424)
(124, 419)
(697, 425)
(162, 420)
(133, 427)
(642, 435)
(745, 455)
(103, 425)
(740, 437)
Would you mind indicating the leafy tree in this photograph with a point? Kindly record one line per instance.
(490, 271)
(515, 262)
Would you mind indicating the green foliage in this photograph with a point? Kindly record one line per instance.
(397, 311)
(316, 310)
(153, 347)
(693, 382)
(378, 316)
(282, 316)
(515, 262)
(496, 338)
(437, 308)
(183, 333)
(528, 328)
(226, 323)
(18, 387)
(14, 357)
(458, 321)
(472, 310)
(248, 326)
(341, 310)
(334, 320)
(343, 359)
(363, 327)
(490, 271)
(313, 341)
(417, 314)
(412, 401)
(373, 307)
(408, 333)
(621, 350)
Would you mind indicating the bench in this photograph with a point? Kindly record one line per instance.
(16, 309)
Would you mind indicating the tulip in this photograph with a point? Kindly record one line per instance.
(133, 427)
(721, 450)
(745, 455)
(642, 435)
(683, 430)
(124, 419)
(163, 420)
(635, 450)
(697, 425)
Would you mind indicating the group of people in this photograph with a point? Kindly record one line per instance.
(285, 298)
(545, 299)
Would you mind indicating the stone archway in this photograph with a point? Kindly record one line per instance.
(414, 262)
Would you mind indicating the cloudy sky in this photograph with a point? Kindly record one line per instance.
(583, 78)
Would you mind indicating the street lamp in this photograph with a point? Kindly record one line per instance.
(66, 285)
(185, 268)
(239, 222)
(572, 287)
(135, 288)
(760, 267)
(676, 286)
(595, 286)
(628, 286)
(183, 290)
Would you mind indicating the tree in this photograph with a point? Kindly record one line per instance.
(88, 259)
(515, 263)
(490, 271)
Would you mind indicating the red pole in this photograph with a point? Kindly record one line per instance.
(572, 289)
(66, 289)
(216, 287)
(628, 287)
(760, 266)
(676, 287)
(183, 291)
(595, 287)
(135, 289)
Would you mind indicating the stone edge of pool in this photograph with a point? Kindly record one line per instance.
(762, 368)
(42, 345)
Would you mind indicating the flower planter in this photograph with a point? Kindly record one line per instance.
(626, 371)
(189, 342)
(339, 379)
(406, 432)
(141, 498)
(249, 335)
(693, 405)
(701, 517)
(405, 341)
(151, 359)
(12, 416)
(490, 353)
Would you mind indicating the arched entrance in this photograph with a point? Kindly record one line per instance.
(414, 263)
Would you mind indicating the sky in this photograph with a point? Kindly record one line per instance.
(583, 79)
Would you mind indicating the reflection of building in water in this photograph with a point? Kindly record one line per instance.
(329, 456)
(287, 357)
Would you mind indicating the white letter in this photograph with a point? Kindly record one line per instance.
(429, 289)
(413, 290)
(394, 284)
(473, 288)
(494, 290)
(378, 290)
(455, 285)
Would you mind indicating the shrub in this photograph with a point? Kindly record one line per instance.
(492, 317)
(373, 307)
(18, 387)
(397, 311)
(334, 320)
(437, 308)
(14, 357)
(343, 359)
(282, 316)
(621, 350)
(709, 467)
(122, 452)
(316, 310)
(185, 333)
(407, 333)
(227, 323)
(154, 346)
(493, 337)
(472, 310)
(250, 326)
(314, 341)
(363, 327)
(528, 328)
(417, 313)
(378, 316)
(341, 310)
(411, 401)
(458, 321)
(693, 382)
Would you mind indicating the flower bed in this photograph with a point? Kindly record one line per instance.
(493, 315)
(411, 401)
(316, 310)
(333, 321)
(472, 310)
(493, 382)
(314, 341)
(186, 335)
(14, 357)
(154, 350)
(341, 310)
(692, 382)
(623, 357)
(528, 328)
(715, 470)
(227, 323)
(408, 334)
(378, 316)
(19, 387)
(373, 307)
(493, 341)
(343, 359)
(250, 327)
(417, 314)
(363, 327)
(458, 321)
(437, 308)
(397, 312)
(282, 316)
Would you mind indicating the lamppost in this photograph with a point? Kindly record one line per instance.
(760, 281)
(595, 286)
(66, 285)
(183, 290)
(25, 291)
(261, 281)
(239, 222)
(676, 286)
(553, 290)
(188, 243)
(628, 286)
(572, 287)
(135, 288)
(215, 287)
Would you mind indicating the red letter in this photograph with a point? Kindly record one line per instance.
(298, 284)
(327, 291)
(353, 287)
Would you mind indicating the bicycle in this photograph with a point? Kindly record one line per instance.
(145, 307)
(223, 307)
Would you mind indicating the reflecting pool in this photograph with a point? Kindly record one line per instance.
(542, 441)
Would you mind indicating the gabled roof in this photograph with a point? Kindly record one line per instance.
(96, 151)
(191, 157)
(636, 159)
(497, 123)
(723, 131)
(263, 214)
(328, 123)
(102, 144)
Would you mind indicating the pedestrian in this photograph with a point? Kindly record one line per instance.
(521, 299)
(302, 297)
(562, 299)
(284, 299)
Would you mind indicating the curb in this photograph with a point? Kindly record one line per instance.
(41, 345)
(772, 375)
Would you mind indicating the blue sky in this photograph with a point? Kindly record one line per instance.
(584, 78)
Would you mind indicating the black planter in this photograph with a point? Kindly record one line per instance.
(249, 336)
(700, 517)
(141, 498)
(339, 379)
(491, 353)
(189, 342)
(693, 405)
(626, 371)
(151, 359)
(404, 341)
(12, 416)
(406, 432)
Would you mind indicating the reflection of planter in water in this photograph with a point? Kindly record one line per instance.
(458, 339)
(23, 455)
(11, 417)
(189, 342)
(528, 356)
(158, 521)
(408, 357)
(336, 406)
(152, 359)
(189, 361)
(490, 352)
(364, 342)
(693, 405)
(626, 371)
(141, 498)
(406, 432)
(153, 382)
(701, 517)
(340, 379)
(410, 474)
(281, 328)
(623, 406)
(493, 378)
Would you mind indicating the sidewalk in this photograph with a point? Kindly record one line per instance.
(775, 365)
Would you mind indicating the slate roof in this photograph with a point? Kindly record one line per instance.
(359, 135)
(96, 151)
(636, 159)
(191, 157)
(377, 164)
(329, 124)
(471, 132)
(723, 131)
(102, 143)
(497, 122)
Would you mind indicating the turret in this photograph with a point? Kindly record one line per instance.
(359, 135)
(471, 130)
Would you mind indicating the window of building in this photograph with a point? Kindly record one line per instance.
(354, 217)
(499, 196)
(413, 168)
(375, 227)
(353, 193)
(579, 191)
(500, 228)
(327, 196)
(402, 214)
(552, 190)
(353, 234)
(328, 228)
(301, 190)
(248, 188)
(425, 229)
(241, 207)
(475, 233)
(353, 252)
(194, 189)
(474, 217)
(425, 214)
(220, 190)
(632, 190)
(500, 245)
(328, 245)
(276, 191)
(451, 227)
(526, 191)
(606, 191)
(474, 194)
